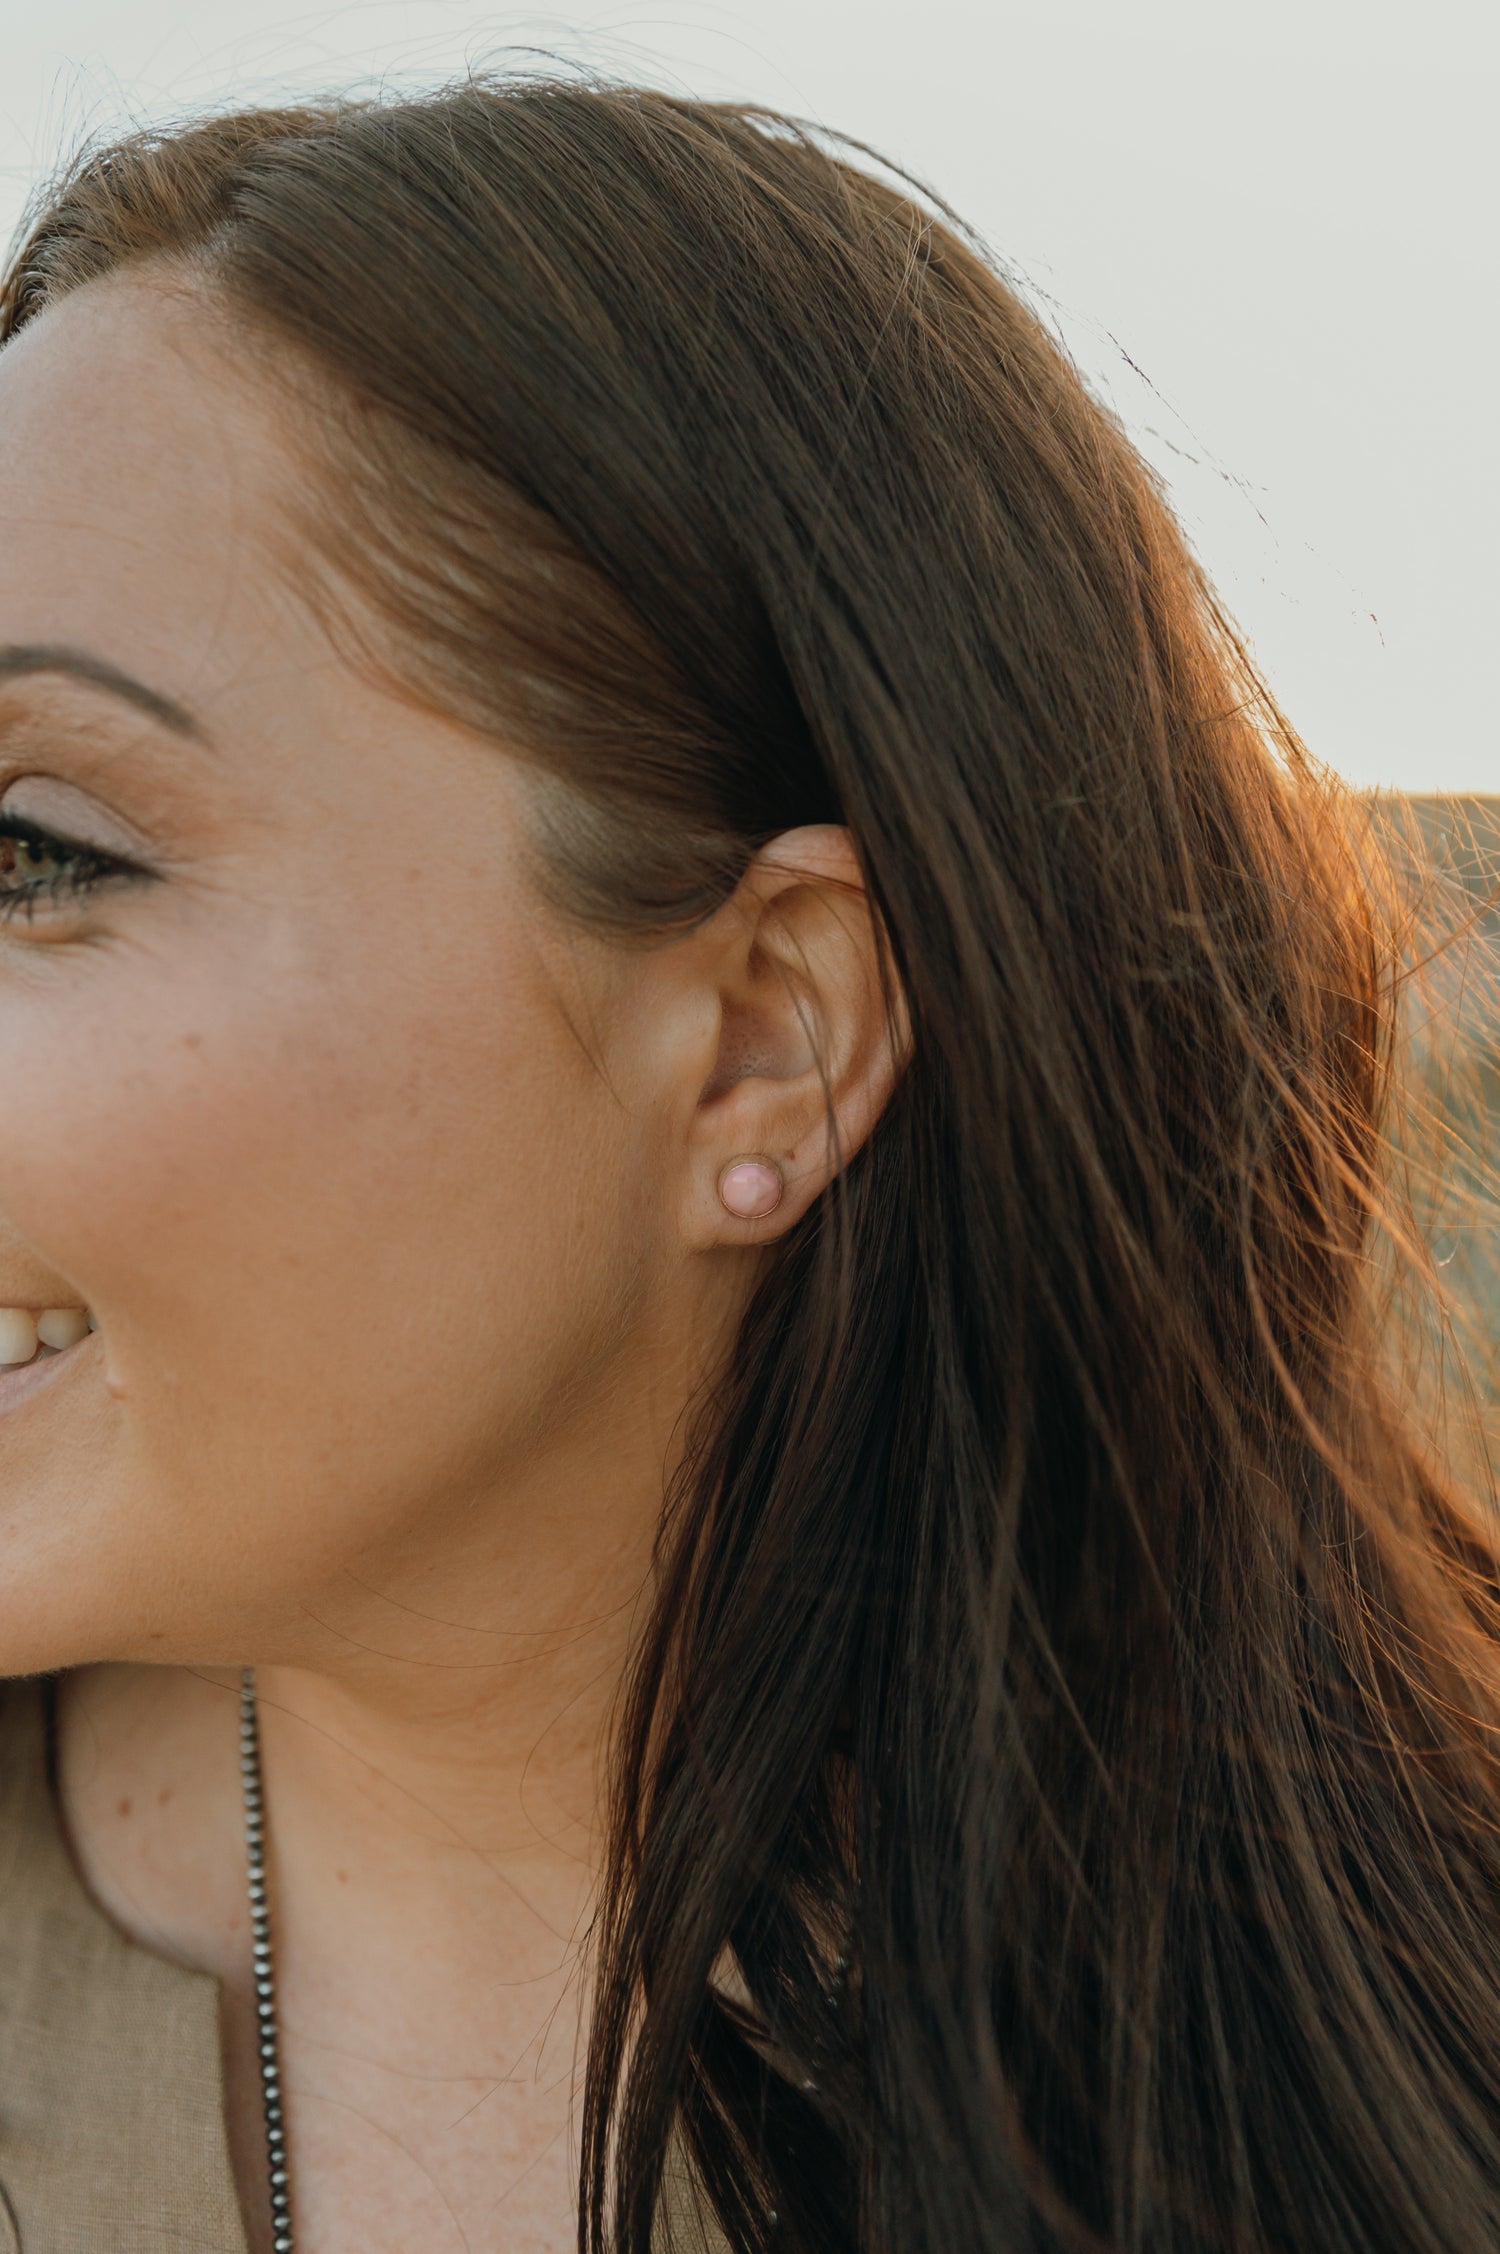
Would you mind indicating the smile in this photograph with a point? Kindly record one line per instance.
(33, 1345)
(24, 1333)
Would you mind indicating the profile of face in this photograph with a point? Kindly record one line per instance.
(391, 1193)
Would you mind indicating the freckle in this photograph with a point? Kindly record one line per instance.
(192, 1040)
(342, 1877)
(123, 1809)
(164, 1796)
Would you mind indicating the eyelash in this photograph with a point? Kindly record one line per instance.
(79, 870)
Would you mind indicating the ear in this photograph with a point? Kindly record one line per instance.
(806, 1060)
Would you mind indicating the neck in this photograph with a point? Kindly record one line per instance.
(432, 1856)
(426, 1789)
(431, 1771)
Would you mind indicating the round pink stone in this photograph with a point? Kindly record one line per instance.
(749, 1189)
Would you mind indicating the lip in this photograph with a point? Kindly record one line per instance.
(22, 1381)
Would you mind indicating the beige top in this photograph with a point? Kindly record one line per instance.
(112, 2137)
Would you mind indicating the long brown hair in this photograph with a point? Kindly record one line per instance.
(1068, 1709)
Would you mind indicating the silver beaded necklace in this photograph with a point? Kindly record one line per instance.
(265, 1969)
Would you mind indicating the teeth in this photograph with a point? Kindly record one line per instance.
(57, 1327)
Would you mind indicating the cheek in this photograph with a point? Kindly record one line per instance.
(347, 1231)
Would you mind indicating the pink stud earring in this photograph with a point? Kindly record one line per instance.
(750, 1187)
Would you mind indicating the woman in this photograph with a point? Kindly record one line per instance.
(694, 1095)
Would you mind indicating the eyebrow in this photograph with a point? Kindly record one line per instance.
(18, 658)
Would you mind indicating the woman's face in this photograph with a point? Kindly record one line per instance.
(304, 1102)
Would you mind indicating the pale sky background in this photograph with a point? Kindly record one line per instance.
(1266, 232)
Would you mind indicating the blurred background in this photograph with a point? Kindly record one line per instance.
(1265, 233)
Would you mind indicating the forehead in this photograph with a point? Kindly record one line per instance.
(141, 479)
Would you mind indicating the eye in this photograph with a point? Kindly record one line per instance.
(38, 869)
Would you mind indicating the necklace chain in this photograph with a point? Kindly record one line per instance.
(265, 1968)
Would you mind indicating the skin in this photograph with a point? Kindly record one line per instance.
(395, 1196)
